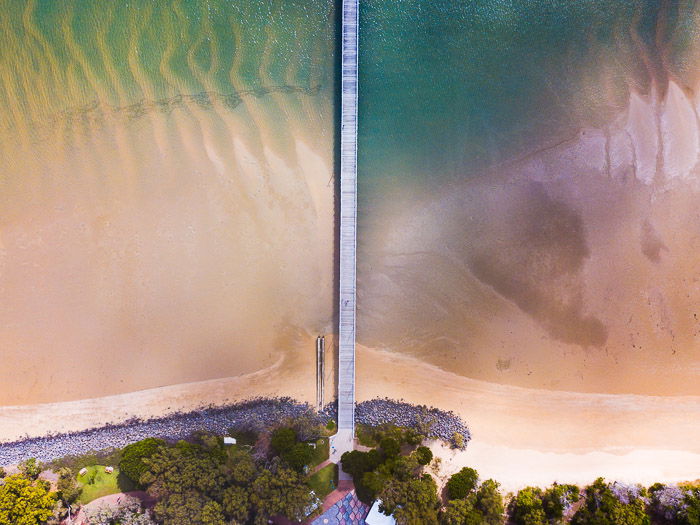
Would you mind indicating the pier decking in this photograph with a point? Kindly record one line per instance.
(348, 228)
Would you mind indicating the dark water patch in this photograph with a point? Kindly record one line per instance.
(651, 243)
(534, 259)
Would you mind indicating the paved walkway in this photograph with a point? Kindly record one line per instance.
(340, 443)
(346, 510)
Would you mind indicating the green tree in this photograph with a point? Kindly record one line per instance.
(692, 511)
(30, 468)
(132, 461)
(601, 507)
(404, 467)
(458, 441)
(298, 456)
(283, 439)
(424, 455)
(462, 483)
(189, 507)
(413, 502)
(2, 473)
(282, 492)
(526, 508)
(372, 484)
(489, 502)
(413, 437)
(390, 447)
(184, 468)
(461, 512)
(25, 502)
(241, 466)
(236, 504)
(557, 499)
(68, 490)
(356, 462)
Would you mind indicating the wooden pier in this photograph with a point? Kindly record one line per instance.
(348, 229)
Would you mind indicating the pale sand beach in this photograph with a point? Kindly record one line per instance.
(520, 436)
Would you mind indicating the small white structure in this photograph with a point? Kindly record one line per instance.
(375, 517)
(109, 470)
(229, 440)
(82, 472)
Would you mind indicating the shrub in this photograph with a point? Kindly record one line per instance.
(458, 441)
(424, 455)
(131, 463)
(2, 472)
(462, 483)
(68, 490)
(283, 439)
(30, 468)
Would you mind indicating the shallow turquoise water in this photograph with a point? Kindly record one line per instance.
(450, 87)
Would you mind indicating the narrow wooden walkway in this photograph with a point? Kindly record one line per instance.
(348, 230)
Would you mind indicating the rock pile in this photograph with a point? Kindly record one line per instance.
(256, 414)
(442, 424)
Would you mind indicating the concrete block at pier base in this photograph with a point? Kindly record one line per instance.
(339, 444)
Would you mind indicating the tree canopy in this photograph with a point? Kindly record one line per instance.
(462, 483)
(424, 455)
(132, 461)
(602, 507)
(413, 502)
(25, 502)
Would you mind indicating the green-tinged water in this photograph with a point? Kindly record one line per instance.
(77, 57)
(451, 87)
(165, 214)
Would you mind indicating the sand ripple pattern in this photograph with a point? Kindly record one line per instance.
(166, 213)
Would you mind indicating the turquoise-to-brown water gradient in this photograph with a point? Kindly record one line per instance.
(166, 195)
(529, 190)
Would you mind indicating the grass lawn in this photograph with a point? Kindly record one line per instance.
(102, 484)
(321, 481)
(321, 452)
(329, 429)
